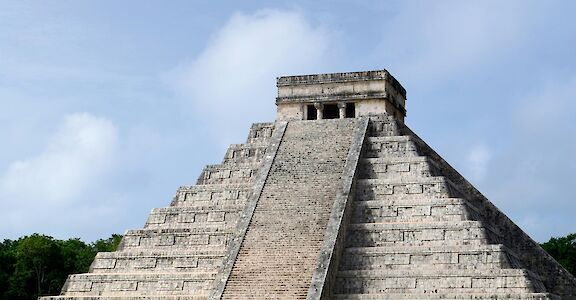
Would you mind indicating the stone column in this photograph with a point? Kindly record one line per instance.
(319, 110)
(342, 109)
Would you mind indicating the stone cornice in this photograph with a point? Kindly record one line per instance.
(332, 98)
(341, 77)
(343, 97)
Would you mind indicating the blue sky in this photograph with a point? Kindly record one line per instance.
(107, 107)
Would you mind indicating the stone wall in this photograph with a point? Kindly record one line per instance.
(414, 234)
(373, 92)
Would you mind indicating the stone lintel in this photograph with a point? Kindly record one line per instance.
(339, 78)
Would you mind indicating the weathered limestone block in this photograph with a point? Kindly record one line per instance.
(388, 168)
(432, 234)
(447, 295)
(390, 146)
(158, 261)
(260, 133)
(229, 173)
(212, 195)
(436, 281)
(384, 125)
(244, 153)
(137, 284)
(443, 257)
(192, 217)
(175, 238)
(404, 188)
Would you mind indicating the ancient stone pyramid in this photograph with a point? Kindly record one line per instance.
(337, 199)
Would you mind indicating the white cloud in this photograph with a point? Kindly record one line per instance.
(477, 160)
(547, 109)
(432, 40)
(232, 82)
(532, 178)
(49, 185)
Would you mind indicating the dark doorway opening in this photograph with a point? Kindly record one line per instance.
(311, 112)
(350, 110)
(331, 111)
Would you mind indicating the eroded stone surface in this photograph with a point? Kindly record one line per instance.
(283, 240)
(418, 230)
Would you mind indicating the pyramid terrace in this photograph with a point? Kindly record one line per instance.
(335, 199)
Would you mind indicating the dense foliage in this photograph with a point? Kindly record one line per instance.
(563, 249)
(38, 264)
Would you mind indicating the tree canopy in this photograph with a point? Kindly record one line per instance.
(563, 249)
(38, 265)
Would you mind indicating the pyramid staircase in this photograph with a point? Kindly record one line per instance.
(417, 230)
(282, 242)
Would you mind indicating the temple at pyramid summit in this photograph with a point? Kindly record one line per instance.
(335, 199)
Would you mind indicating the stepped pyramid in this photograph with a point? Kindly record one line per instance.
(337, 199)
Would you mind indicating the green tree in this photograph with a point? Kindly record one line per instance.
(107, 245)
(7, 265)
(37, 260)
(563, 249)
(76, 256)
(38, 265)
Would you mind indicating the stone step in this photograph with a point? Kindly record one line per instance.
(301, 223)
(212, 194)
(229, 173)
(405, 188)
(437, 281)
(212, 206)
(289, 290)
(192, 217)
(279, 251)
(296, 205)
(260, 133)
(137, 284)
(447, 295)
(198, 296)
(390, 146)
(290, 180)
(229, 225)
(244, 153)
(413, 210)
(394, 167)
(274, 250)
(194, 238)
(438, 257)
(158, 261)
(384, 126)
(425, 234)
